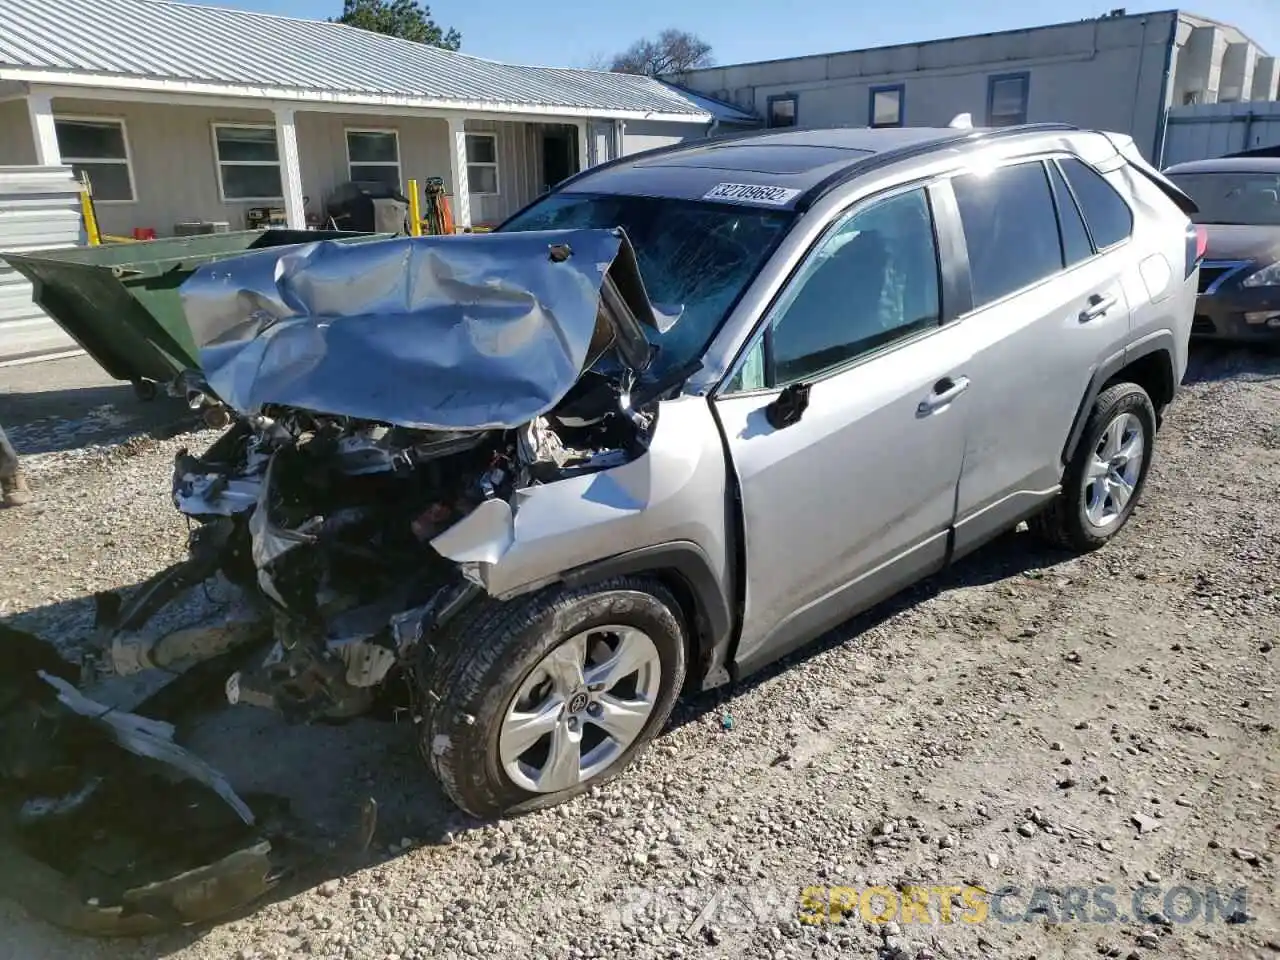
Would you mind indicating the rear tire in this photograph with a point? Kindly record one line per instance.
(1094, 505)
(500, 665)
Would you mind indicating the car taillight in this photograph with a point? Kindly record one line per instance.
(1197, 245)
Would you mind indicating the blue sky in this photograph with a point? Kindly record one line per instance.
(569, 32)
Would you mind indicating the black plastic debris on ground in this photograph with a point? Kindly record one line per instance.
(107, 826)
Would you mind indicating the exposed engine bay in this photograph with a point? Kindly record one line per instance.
(334, 534)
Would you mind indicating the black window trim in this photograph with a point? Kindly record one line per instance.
(761, 327)
(1051, 165)
(993, 79)
(901, 90)
(795, 109)
(1133, 221)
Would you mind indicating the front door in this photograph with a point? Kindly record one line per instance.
(850, 497)
(558, 157)
(1048, 307)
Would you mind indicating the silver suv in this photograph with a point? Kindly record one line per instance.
(558, 474)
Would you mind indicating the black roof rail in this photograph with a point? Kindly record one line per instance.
(886, 157)
(855, 168)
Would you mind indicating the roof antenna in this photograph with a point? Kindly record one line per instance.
(961, 121)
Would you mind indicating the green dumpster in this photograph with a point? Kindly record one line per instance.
(120, 301)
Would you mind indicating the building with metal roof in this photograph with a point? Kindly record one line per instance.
(185, 113)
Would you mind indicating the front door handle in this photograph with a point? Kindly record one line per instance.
(944, 391)
(1098, 305)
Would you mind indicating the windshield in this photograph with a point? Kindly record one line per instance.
(1242, 198)
(695, 256)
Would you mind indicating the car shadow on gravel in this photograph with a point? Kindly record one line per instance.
(1011, 554)
(52, 421)
(1211, 361)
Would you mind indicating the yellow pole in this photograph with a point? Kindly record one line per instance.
(90, 215)
(415, 211)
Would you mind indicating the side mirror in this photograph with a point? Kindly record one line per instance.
(788, 407)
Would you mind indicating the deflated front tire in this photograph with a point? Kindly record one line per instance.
(533, 701)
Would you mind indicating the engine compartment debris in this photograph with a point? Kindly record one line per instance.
(383, 394)
(390, 405)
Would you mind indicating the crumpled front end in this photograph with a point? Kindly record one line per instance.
(395, 400)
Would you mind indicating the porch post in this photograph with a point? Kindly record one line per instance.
(458, 173)
(584, 145)
(45, 136)
(290, 168)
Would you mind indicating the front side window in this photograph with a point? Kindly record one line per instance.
(482, 163)
(1007, 99)
(1108, 217)
(1246, 198)
(871, 282)
(1010, 229)
(886, 106)
(248, 162)
(782, 111)
(373, 156)
(97, 149)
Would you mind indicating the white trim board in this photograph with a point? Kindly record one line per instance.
(78, 85)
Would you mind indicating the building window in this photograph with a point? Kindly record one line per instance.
(782, 110)
(99, 149)
(1007, 99)
(374, 155)
(886, 105)
(482, 163)
(248, 162)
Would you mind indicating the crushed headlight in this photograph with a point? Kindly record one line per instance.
(1268, 276)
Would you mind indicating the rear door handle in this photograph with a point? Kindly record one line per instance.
(1098, 305)
(944, 391)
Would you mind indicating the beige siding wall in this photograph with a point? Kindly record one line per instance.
(322, 149)
(519, 169)
(17, 145)
(174, 174)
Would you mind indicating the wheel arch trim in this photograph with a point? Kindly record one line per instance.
(1160, 342)
(713, 618)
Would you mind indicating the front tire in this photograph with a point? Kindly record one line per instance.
(536, 700)
(1107, 473)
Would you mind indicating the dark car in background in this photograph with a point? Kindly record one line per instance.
(1239, 201)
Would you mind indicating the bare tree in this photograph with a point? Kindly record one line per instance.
(671, 52)
(595, 61)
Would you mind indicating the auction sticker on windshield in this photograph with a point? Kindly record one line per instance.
(751, 193)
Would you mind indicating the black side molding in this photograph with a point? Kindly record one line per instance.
(690, 563)
(1160, 343)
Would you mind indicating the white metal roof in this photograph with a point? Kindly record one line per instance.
(179, 47)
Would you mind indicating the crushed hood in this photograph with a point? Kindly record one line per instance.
(447, 333)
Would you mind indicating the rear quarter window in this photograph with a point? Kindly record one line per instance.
(1108, 217)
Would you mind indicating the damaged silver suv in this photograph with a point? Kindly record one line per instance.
(670, 422)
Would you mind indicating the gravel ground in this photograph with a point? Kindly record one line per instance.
(1028, 719)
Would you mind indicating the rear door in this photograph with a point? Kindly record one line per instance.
(845, 424)
(1048, 306)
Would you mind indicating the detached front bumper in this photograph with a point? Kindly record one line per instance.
(1239, 315)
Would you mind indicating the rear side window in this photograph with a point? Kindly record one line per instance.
(1075, 238)
(1109, 218)
(1010, 227)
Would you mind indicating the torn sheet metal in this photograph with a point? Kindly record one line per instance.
(446, 333)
